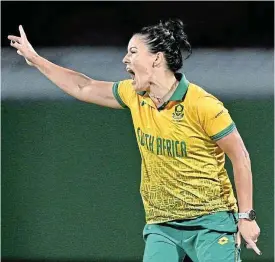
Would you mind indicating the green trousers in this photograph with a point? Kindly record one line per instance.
(209, 238)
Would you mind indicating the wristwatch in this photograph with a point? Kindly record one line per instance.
(250, 215)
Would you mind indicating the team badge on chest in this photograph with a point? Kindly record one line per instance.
(178, 114)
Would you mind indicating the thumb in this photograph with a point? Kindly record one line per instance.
(19, 53)
(238, 239)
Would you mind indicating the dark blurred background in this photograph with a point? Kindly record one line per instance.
(209, 24)
(71, 170)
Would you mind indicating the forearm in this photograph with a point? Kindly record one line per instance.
(68, 80)
(74, 83)
(243, 183)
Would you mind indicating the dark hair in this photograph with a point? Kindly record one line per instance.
(168, 37)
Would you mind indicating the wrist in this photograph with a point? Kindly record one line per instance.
(248, 215)
(35, 59)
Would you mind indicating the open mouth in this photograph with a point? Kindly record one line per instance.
(131, 72)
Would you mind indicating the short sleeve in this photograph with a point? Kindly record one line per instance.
(214, 118)
(124, 93)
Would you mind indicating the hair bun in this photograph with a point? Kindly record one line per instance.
(169, 38)
(175, 27)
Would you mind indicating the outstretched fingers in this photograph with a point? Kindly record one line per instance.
(22, 33)
(15, 39)
(15, 44)
(251, 244)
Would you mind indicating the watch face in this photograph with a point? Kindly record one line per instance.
(252, 215)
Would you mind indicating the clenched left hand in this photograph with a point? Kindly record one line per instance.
(250, 232)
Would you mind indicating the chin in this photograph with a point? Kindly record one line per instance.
(137, 87)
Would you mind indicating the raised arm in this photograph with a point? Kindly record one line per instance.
(74, 83)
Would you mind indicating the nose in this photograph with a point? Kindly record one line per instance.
(125, 60)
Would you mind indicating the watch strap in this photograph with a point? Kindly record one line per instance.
(243, 215)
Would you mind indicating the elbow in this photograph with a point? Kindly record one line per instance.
(242, 156)
(84, 81)
(239, 157)
(246, 155)
(241, 161)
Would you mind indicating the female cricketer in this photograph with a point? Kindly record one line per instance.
(183, 134)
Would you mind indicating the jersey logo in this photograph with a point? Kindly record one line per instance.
(223, 240)
(178, 114)
(216, 116)
(142, 103)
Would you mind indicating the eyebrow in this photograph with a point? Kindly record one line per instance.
(132, 47)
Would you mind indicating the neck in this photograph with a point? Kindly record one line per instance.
(161, 86)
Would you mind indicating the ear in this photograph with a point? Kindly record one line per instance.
(159, 58)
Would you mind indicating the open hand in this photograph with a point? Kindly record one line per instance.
(23, 46)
